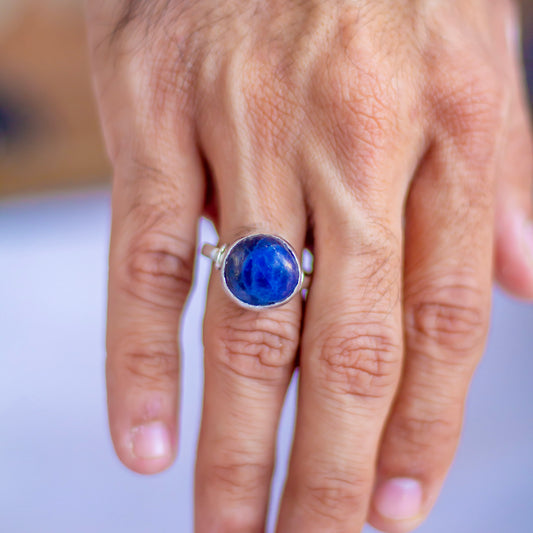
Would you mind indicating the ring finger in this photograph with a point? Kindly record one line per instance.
(249, 355)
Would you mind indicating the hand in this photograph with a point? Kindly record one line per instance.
(387, 136)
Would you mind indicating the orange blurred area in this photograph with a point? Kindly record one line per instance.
(49, 131)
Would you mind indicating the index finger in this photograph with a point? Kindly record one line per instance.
(156, 205)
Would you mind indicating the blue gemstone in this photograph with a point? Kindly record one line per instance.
(261, 270)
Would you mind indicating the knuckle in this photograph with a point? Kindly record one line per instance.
(260, 347)
(429, 432)
(362, 109)
(170, 84)
(381, 273)
(241, 484)
(239, 478)
(131, 11)
(472, 109)
(453, 315)
(159, 270)
(148, 43)
(362, 360)
(135, 12)
(379, 257)
(269, 100)
(156, 266)
(334, 498)
(152, 364)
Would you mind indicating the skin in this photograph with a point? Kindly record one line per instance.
(391, 137)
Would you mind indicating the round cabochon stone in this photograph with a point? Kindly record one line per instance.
(261, 270)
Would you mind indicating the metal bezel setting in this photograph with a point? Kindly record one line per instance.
(220, 254)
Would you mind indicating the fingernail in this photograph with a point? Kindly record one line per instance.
(528, 239)
(399, 499)
(151, 441)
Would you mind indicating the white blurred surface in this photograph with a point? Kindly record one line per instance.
(58, 473)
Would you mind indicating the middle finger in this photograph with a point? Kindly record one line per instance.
(350, 365)
(351, 348)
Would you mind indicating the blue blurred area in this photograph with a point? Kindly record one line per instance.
(58, 472)
(8, 121)
(16, 122)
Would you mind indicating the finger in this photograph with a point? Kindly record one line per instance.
(157, 199)
(514, 215)
(350, 364)
(249, 355)
(447, 287)
(351, 351)
(158, 195)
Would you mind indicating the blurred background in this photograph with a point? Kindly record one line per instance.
(58, 473)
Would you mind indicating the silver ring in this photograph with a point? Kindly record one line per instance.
(259, 270)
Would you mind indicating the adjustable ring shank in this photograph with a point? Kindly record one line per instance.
(214, 253)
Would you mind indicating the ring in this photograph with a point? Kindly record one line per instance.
(259, 270)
